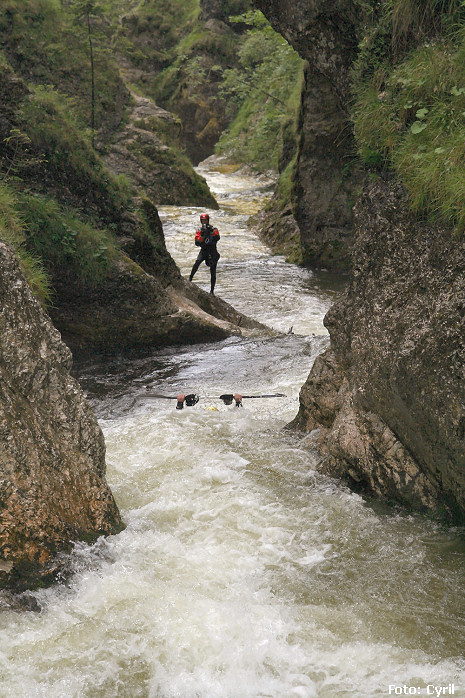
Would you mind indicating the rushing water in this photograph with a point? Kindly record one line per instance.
(242, 573)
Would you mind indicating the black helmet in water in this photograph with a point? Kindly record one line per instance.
(204, 218)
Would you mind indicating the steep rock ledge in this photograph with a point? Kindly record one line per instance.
(134, 310)
(52, 453)
(144, 151)
(385, 406)
(143, 301)
(327, 176)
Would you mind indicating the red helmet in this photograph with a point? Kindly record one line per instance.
(204, 218)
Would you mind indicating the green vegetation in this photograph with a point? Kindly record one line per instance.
(409, 109)
(63, 241)
(50, 240)
(47, 158)
(61, 93)
(263, 92)
(285, 190)
(154, 36)
(69, 162)
(47, 43)
(13, 232)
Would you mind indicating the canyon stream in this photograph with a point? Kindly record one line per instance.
(242, 572)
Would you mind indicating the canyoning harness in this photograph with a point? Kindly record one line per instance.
(227, 398)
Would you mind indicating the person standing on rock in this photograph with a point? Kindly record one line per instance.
(206, 238)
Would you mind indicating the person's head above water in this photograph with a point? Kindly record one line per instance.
(204, 218)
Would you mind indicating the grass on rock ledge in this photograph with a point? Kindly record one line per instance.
(412, 116)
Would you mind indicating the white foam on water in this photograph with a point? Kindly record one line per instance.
(241, 573)
(236, 576)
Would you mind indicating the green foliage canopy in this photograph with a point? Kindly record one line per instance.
(263, 94)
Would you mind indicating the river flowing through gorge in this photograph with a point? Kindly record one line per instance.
(242, 572)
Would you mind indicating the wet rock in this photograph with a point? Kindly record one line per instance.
(319, 396)
(390, 396)
(279, 229)
(136, 309)
(52, 453)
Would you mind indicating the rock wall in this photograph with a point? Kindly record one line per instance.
(52, 453)
(146, 150)
(385, 406)
(178, 58)
(325, 35)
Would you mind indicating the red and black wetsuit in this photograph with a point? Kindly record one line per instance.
(206, 238)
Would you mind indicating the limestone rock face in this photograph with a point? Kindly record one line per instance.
(279, 229)
(139, 152)
(387, 404)
(52, 453)
(325, 35)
